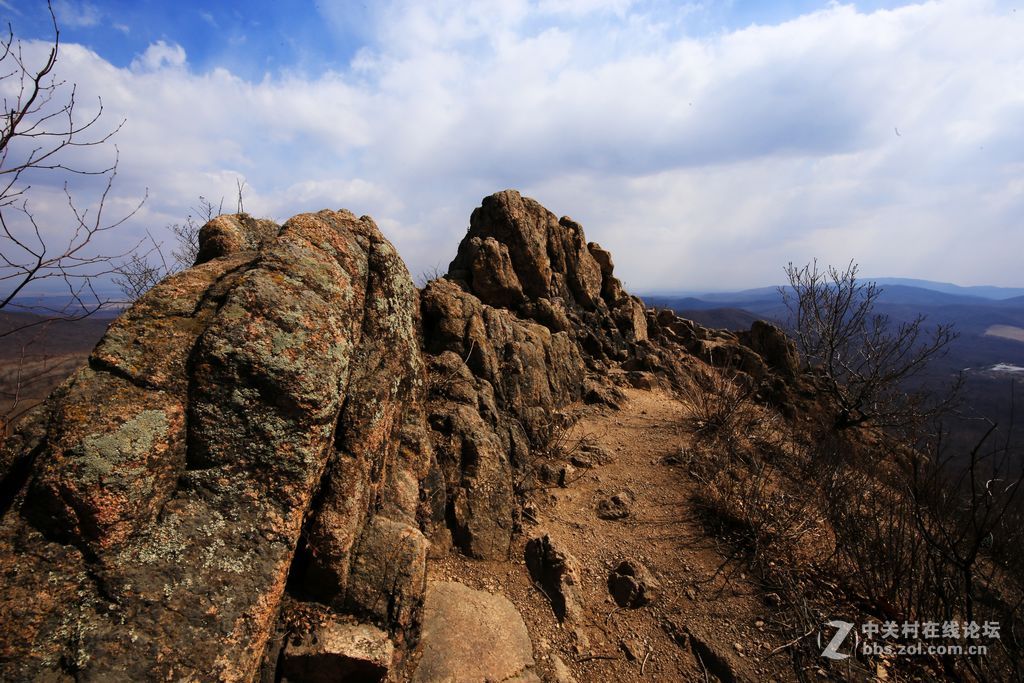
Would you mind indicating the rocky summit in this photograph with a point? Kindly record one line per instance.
(253, 475)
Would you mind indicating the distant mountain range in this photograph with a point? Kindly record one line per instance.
(890, 284)
(974, 310)
(990, 322)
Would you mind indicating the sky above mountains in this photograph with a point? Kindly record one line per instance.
(705, 144)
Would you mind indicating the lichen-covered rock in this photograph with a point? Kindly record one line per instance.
(381, 454)
(233, 233)
(156, 526)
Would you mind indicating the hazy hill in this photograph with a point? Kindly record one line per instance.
(36, 335)
(973, 315)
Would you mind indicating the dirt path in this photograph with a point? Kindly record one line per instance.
(700, 624)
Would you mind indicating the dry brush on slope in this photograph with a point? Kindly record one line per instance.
(868, 525)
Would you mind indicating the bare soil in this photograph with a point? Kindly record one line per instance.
(710, 620)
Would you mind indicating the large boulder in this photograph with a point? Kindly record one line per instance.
(150, 529)
(472, 637)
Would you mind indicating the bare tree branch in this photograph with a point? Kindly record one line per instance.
(864, 358)
(43, 130)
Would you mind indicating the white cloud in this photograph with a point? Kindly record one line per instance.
(159, 55)
(76, 14)
(699, 161)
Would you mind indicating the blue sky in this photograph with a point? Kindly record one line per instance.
(706, 143)
(258, 37)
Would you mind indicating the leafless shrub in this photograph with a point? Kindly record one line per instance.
(41, 132)
(720, 404)
(771, 521)
(148, 265)
(836, 522)
(138, 273)
(186, 237)
(970, 520)
(744, 492)
(940, 541)
(552, 444)
(864, 358)
(429, 275)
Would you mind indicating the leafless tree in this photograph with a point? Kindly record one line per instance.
(864, 357)
(43, 136)
(40, 132)
(138, 273)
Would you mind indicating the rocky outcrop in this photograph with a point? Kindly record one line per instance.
(518, 255)
(764, 356)
(526, 308)
(495, 380)
(529, 319)
(153, 532)
(290, 427)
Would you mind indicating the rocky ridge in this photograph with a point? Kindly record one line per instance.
(269, 445)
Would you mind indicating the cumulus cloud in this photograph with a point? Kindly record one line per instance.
(700, 161)
(159, 55)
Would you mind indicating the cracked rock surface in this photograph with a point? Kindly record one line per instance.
(178, 477)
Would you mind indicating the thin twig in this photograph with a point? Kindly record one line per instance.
(589, 658)
(791, 643)
(703, 668)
